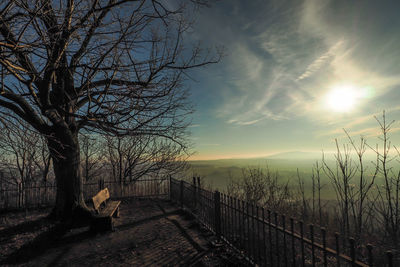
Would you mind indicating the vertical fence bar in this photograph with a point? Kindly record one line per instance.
(225, 217)
(323, 233)
(370, 256)
(217, 214)
(303, 261)
(170, 188)
(19, 195)
(264, 241)
(181, 193)
(312, 244)
(284, 239)
(389, 255)
(337, 249)
(271, 255)
(352, 251)
(194, 194)
(253, 234)
(277, 239)
(223, 212)
(229, 219)
(243, 235)
(236, 226)
(293, 242)
(258, 234)
(248, 246)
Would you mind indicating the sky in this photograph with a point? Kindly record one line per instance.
(295, 74)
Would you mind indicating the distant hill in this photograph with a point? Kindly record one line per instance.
(296, 155)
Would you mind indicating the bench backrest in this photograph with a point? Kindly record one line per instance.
(101, 196)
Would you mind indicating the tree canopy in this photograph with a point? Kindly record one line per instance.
(114, 66)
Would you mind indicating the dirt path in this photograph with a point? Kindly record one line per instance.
(148, 233)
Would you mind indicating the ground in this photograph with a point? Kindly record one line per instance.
(148, 233)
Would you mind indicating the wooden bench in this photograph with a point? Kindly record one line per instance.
(104, 210)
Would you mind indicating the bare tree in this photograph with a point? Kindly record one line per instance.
(115, 66)
(316, 192)
(387, 201)
(262, 187)
(132, 157)
(353, 183)
(363, 186)
(93, 156)
(23, 153)
(302, 193)
(341, 178)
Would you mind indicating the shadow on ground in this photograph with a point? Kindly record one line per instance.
(55, 236)
(148, 233)
(29, 226)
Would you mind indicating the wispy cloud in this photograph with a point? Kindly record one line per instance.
(366, 125)
(249, 122)
(320, 61)
(282, 68)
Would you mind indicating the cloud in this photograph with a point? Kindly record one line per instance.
(282, 67)
(365, 125)
(320, 61)
(248, 122)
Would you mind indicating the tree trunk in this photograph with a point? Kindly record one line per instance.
(70, 204)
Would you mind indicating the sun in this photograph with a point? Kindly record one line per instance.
(342, 98)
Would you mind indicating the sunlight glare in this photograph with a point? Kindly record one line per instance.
(342, 98)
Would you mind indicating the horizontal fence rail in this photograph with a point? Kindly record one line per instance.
(267, 238)
(44, 194)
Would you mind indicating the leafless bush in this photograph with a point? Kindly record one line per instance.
(264, 188)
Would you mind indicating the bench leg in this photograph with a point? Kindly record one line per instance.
(116, 213)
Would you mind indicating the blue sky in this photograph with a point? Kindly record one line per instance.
(295, 74)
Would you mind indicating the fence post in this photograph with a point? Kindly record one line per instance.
(19, 195)
(198, 182)
(181, 193)
(323, 233)
(169, 188)
(370, 255)
(352, 251)
(389, 255)
(337, 249)
(194, 193)
(217, 214)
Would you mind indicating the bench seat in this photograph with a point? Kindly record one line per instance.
(104, 211)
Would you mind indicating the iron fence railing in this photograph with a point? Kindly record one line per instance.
(267, 238)
(262, 236)
(21, 196)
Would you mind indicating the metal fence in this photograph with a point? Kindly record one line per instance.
(21, 196)
(267, 238)
(264, 237)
